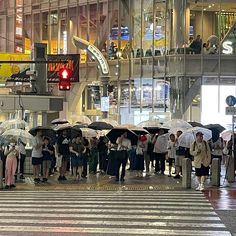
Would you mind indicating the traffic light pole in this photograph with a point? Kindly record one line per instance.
(104, 81)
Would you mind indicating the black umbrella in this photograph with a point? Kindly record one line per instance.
(195, 124)
(155, 130)
(140, 131)
(215, 127)
(46, 131)
(115, 133)
(72, 131)
(100, 125)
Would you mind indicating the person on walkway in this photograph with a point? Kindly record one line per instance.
(86, 154)
(201, 152)
(76, 150)
(160, 151)
(180, 155)
(63, 152)
(93, 157)
(146, 154)
(102, 151)
(196, 45)
(47, 157)
(139, 160)
(37, 155)
(11, 153)
(171, 152)
(124, 145)
(22, 155)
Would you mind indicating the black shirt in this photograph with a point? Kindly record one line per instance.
(63, 144)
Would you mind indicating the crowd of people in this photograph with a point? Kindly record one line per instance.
(152, 152)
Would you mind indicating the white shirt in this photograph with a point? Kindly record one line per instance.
(217, 147)
(160, 145)
(37, 152)
(124, 144)
(171, 149)
(21, 148)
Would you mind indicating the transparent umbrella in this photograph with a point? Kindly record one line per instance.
(110, 121)
(82, 119)
(17, 134)
(175, 125)
(13, 124)
(189, 136)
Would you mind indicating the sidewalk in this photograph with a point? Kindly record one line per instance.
(104, 182)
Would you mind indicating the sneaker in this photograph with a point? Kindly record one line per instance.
(44, 180)
(22, 177)
(7, 187)
(12, 186)
(60, 178)
(198, 188)
(36, 180)
(64, 178)
(201, 187)
(177, 177)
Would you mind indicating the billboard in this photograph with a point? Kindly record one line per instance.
(54, 68)
(12, 71)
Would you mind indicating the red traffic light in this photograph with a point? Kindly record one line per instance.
(64, 82)
(64, 85)
(64, 73)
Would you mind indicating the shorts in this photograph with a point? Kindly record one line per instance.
(47, 164)
(203, 171)
(179, 160)
(76, 160)
(61, 159)
(37, 161)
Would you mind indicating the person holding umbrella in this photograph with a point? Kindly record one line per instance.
(201, 152)
(160, 151)
(37, 155)
(124, 145)
(63, 152)
(11, 153)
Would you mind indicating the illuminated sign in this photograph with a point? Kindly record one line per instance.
(97, 54)
(227, 47)
(105, 104)
(54, 68)
(94, 52)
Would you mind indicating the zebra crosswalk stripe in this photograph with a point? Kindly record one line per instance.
(108, 213)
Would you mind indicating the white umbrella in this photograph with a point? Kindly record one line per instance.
(59, 121)
(82, 119)
(88, 133)
(110, 121)
(149, 123)
(62, 127)
(13, 124)
(17, 134)
(227, 134)
(177, 124)
(189, 136)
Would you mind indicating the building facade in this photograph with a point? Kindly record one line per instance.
(156, 70)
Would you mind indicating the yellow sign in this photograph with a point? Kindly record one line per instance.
(10, 70)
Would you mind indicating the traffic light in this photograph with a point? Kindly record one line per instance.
(64, 82)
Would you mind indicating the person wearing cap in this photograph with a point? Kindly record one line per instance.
(201, 152)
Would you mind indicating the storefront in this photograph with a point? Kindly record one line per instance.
(148, 47)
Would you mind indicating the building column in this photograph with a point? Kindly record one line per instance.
(176, 97)
(181, 23)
